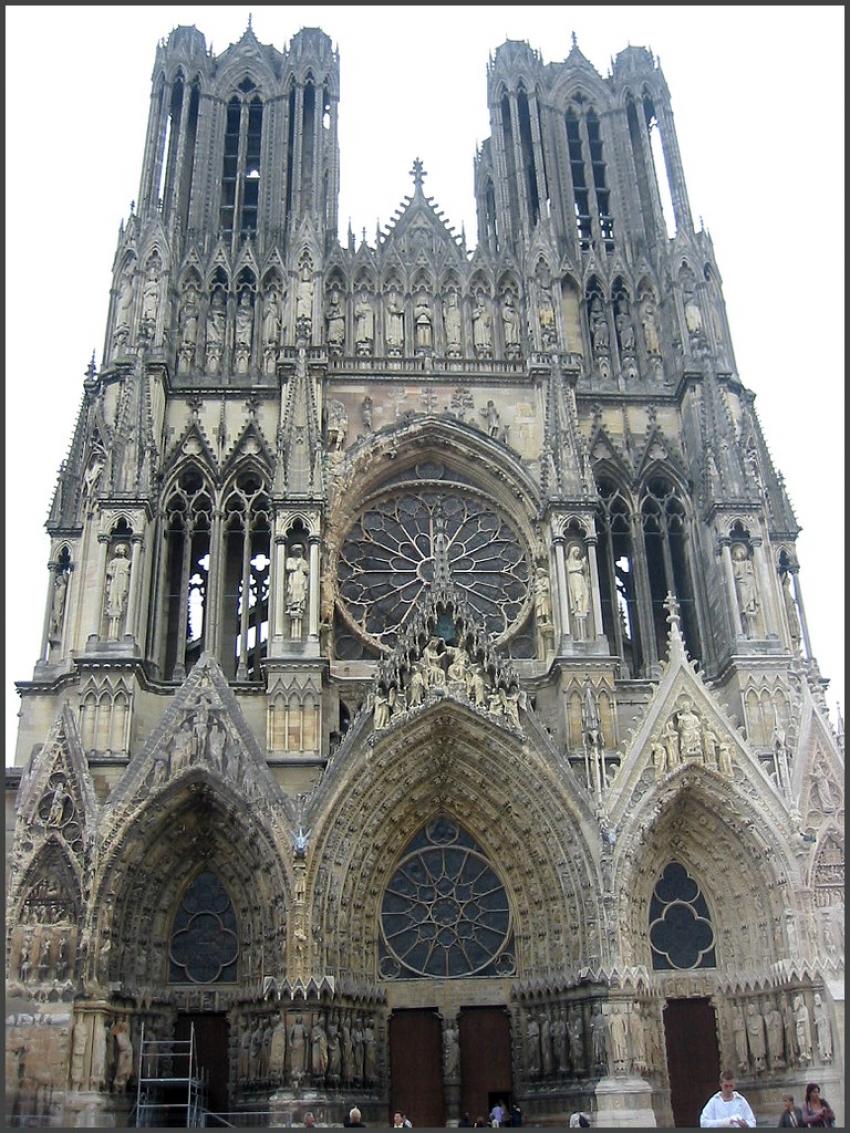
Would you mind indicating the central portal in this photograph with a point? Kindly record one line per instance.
(416, 1067)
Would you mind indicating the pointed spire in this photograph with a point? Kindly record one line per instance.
(574, 39)
(418, 173)
(91, 371)
(250, 19)
(675, 642)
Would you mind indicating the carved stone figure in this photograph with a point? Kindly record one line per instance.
(790, 1028)
(802, 1030)
(366, 413)
(745, 588)
(659, 758)
(244, 330)
(688, 726)
(625, 331)
(277, 1051)
(123, 1056)
(542, 596)
(476, 688)
(458, 665)
(724, 757)
(482, 326)
(756, 1037)
(56, 815)
(575, 1029)
(491, 416)
(337, 425)
(417, 685)
(78, 1052)
(394, 322)
(117, 590)
(297, 1049)
(510, 324)
(649, 325)
(334, 1050)
(546, 1054)
(560, 1041)
(423, 323)
(432, 659)
(98, 1054)
(216, 318)
(546, 317)
(384, 703)
(739, 1030)
(370, 1053)
(451, 323)
(618, 1035)
(693, 317)
(773, 1027)
(598, 1047)
(336, 323)
(532, 1047)
(62, 958)
(364, 322)
(451, 1052)
(150, 297)
(304, 298)
(188, 320)
(319, 1048)
(823, 1030)
(637, 1039)
(578, 590)
(347, 1052)
(599, 333)
(357, 1045)
(124, 305)
(791, 611)
(298, 573)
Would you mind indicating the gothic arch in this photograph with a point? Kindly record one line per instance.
(197, 822)
(448, 761)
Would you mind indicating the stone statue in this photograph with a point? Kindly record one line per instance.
(650, 327)
(546, 317)
(491, 414)
(336, 323)
(599, 333)
(597, 1039)
(575, 1030)
(802, 1030)
(688, 726)
(117, 590)
(659, 757)
(790, 1029)
(458, 665)
(745, 588)
(124, 304)
(739, 1029)
(417, 685)
(347, 1052)
(271, 327)
(370, 1053)
(357, 1044)
(62, 958)
(298, 572)
(57, 605)
(773, 1027)
(384, 704)
(476, 686)
(724, 757)
(277, 1052)
(637, 1039)
(432, 659)
(670, 739)
(98, 1055)
(451, 1052)
(366, 409)
(216, 317)
(482, 326)
(618, 1035)
(304, 298)
(244, 328)
(756, 1037)
(423, 325)
(532, 1047)
(693, 318)
(394, 323)
(578, 590)
(364, 322)
(56, 816)
(823, 1030)
(319, 1046)
(337, 425)
(189, 318)
(625, 331)
(546, 1060)
(150, 297)
(334, 1050)
(297, 1050)
(451, 322)
(123, 1056)
(542, 596)
(510, 324)
(791, 612)
(560, 1041)
(78, 1052)
(510, 703)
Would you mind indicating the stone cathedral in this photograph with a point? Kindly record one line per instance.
(426, 714)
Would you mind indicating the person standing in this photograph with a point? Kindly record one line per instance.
(727, 1107)
(817, 1112)
(792, 1115)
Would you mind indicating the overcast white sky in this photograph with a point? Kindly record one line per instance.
(758, 98)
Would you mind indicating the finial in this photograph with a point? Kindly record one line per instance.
(574, 38)
(673, 616)
(90, 371)
(132, 207)
(250, 17)
(418, 173)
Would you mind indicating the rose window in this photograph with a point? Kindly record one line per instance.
(445, 912)
(401, 545)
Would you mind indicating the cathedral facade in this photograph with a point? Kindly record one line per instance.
(426, 713)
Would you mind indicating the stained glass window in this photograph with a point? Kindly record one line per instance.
(204, 944)
(445, 913)
(680, 931)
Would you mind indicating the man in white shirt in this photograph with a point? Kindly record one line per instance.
(727, 1107)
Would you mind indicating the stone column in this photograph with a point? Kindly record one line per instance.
(596, 601)
(315, 583)
(100, 575)
(136, 547)
(801, 610)
(276, 587)
(731, 593)
(215, 582)
(563, 603)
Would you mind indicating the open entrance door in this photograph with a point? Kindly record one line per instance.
(693, 1060)
(211, 1048)
(416, 1067)
(485, 1060)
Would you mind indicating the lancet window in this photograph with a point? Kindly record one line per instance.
(591, 192)
(617, 577)
(185, 573)
(240, 175)
(245, 566)
(665, 537)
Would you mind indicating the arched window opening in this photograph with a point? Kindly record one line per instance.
(617, 582)
(490, 212)
(168, 166)
(186, 575)
(240, 177)
(204, 946)
(527, 151)
(656, 151)
(681, 935)
(290, 151)
(308, 143)
(581, 192)
(247, 557)
(641, 171)
(600, 186)
(665, 536)
(510, 163)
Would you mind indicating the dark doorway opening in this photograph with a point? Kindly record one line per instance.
(485, 1060)
(211, 1032)
(416, 1067)
(693, 1060)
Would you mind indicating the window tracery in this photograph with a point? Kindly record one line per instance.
(204, 945)
(681, 935)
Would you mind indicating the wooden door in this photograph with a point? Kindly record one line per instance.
(416, 1067)
(211, 1049)
(485, 1060)
(693, 1060)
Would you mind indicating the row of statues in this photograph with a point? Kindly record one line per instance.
(45, 956)
(334, 1047)
(687, 737)
(560, 1041)
(779, 1036)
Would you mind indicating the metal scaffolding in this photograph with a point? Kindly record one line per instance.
(171, 1086)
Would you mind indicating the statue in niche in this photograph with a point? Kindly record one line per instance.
(659, 757)
(578, 590)
(62, 958)
(347, 1051)
(802, 1030)
(56, 815)
(789, 1026)
(546, 317)
(575, 1030)
(216, 318)
(650, 327)
(542, 596)
(417, 685)
(756, 1037)
(319, 1046)
(491, 415)
(357, 1044)
(244, 327)
(334, 1049)
(271, 328)
(532, 1047)
(745, 588)
(724, 757)
(599, 332)
(546, 1057)
(394, 322)
(618, 1034)
(364, 322)
(337, 425)
(117, 590)
(188, 324)
(511, 702)
(277, 1052)
(432, 660)
(670, 740)
(451, 1052)
(123, 1056)
(560, 1041)
(366, 408)
(451, 322)
(482, 326)
(637, 1039)
(423, 324)
(625, 330)
(304, 299)
(370, 1052)
(773, 1028)
(336, 323)
(124, 305)
(510, 324)
(476, 686)
(94, 469)
(297, 571)
(823, 1031)
(384, 704)
(150, 297)
(688, 727)
(791, 611)
(693, 317)
(57, 605)
(458, 665)
(739, 1031)
(597, 1039)
(297, 1050)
